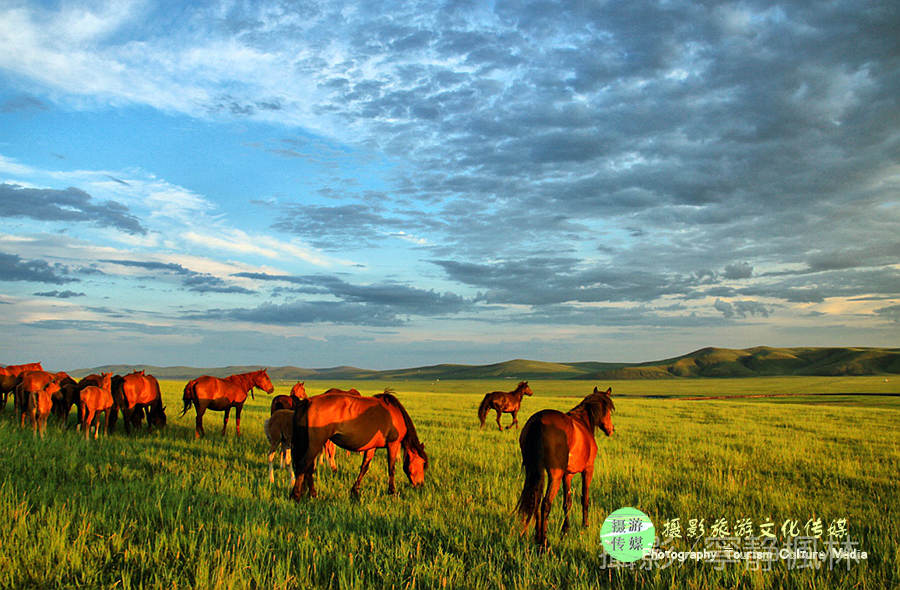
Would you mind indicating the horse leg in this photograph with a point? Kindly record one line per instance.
(499, 426)
(330, 450)
(273, 447)
(87, 418)
(586, 476)
(392, 450)
(515, 420)
(540, 532)
(367, 458)
(200, 409)
(567, 500)
(237, 418)
(225, 423)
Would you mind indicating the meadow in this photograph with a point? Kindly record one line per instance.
(161, 510)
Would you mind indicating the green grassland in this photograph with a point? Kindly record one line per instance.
(163, 510)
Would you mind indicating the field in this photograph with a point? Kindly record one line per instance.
(163, 510)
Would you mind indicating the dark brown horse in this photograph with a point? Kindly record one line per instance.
(94, 399)
(286, 402)
(65, 398)
(560, 445)
(504, 402)
(357, 424)
(279, 430)
(136, 394)
(212, 393)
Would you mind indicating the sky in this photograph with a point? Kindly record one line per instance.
(390, 185)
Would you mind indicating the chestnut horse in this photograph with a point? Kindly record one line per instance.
(94, 399)
(135, 394)
(286, 402)
(34, 397)
(504, 402)
(355, 423)
(9, 379)
(212, 393)
(562, 445)
(65, 398)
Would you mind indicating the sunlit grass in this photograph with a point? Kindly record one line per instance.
(159, 509)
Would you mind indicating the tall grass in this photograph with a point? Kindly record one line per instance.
(163, 510)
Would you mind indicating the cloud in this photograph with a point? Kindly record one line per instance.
(741, 309)
(14, 268)
(69, 205)
(59, 294)
(192, 280)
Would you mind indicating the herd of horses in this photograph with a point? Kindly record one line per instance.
(554, 445)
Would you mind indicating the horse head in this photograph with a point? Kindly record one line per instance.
(415, 462)
(524, 388)
(606, 405)
(299, 390)
(261, 380)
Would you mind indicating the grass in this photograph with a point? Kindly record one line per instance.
(163, 510)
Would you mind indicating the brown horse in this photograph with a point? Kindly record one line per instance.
(355, 423)
(286, 402)
(9, 379)
(94, 399)
(562, 445)
(136, 394)
(212, 393)
(34, 397)
(65, 398)
(279, 430)
(504, 402)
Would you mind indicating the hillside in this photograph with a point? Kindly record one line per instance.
(761, 361)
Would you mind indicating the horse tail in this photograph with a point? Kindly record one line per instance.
(411, 439)
(533, 464)
(483, 409)
(189, 396)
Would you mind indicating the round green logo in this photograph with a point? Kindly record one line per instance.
(627, 534)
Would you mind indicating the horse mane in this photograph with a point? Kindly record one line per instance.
(412, 437)
(594, 407)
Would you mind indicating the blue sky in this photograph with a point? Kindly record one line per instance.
(324, 183)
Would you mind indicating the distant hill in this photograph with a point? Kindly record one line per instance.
(761, 361)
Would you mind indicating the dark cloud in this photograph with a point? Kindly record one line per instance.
(741, 309)
(891, 312)
(303, 312)
(192, 280)
(13, 268)
(59, 294)
(69, 205)
(21, 103)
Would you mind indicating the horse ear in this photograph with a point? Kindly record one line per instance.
(609, 391)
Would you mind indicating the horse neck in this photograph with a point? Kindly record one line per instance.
(245, 381)
(581, 414)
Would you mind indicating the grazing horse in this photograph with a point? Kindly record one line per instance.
(135, 394)
(65, 398)
(355, 423)
(562, 445)
(279, 430)
(504, 402)
(212, 393)
(286, 402)
(34, 397)
(93, 400)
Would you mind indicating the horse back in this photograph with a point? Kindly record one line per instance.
(96, 398)
(560, 441)
(351, 422)
(140, 389)
(212, 388)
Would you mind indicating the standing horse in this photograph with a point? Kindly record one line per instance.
(93, 400)
(34, 397)
(135, 394)
(355, 423)
(10, 378)
(65, 398)
(504, 402)
(286, 402)
(562, 445)
(279, 430)
(212, 393)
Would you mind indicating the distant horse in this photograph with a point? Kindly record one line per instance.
(504, 402)
(135, 394)
(286, 402)
(34, 394)
(65, 398)
(212, 393)
(562, 445)
(279, 430)
(93, 400)
(356, 424)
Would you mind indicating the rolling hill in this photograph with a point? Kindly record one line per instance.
(761, 361)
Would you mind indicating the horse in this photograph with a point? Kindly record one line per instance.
(223, 394)
(562, 445)
(34, 397)
(65, 398)
(330, 448)
(93, 400)
(286, 402)
(504, 402)
(279, 428)
(355, 423)
(9, 379)
(135, 394)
